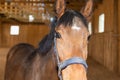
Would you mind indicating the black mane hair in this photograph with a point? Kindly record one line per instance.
(47, 42)
(67, 18)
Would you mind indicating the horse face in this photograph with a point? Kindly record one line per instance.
(72, 26)
(72, 43)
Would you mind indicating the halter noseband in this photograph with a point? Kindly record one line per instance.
(64, 64)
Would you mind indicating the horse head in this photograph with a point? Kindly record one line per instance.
(72, 44)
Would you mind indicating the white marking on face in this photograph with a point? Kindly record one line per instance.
(75, 27)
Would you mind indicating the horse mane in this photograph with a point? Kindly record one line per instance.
(67, 18)
(47, 42)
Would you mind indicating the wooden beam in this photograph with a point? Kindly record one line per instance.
(45, 2)
(98, 1)
(82, 1)
(52, 2)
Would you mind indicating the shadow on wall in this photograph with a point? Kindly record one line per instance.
(3, 54)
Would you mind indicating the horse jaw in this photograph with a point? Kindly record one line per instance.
(74, 72)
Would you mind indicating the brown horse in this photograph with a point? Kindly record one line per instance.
(61, 54)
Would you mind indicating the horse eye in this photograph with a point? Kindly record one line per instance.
(89, 37)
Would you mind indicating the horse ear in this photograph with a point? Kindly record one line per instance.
(60, 7)
(87, 10)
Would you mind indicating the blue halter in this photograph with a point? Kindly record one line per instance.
(64, 64)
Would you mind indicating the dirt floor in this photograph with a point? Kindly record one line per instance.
(95, 70)
(98, 72)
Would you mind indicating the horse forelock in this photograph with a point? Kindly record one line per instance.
(68, 17)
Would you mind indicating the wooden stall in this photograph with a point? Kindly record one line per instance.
(103, 47)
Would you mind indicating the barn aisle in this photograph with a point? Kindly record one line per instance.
(95, 71)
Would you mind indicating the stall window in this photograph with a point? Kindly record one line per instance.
(90, 27)
(14, 30)
(101, 23)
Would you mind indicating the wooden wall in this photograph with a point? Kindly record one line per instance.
(103, 46)
(118, 36)
(29, 33)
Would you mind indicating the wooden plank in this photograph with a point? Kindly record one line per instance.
(52, 1)
(45, 2)
(119, 36)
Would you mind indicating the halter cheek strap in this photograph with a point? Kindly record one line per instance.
(64, 64)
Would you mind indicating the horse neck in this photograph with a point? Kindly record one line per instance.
(44, 65)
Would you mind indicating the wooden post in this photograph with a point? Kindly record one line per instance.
(0, 33)
(119, 36)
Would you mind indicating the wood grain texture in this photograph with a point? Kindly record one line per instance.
(28, 33)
